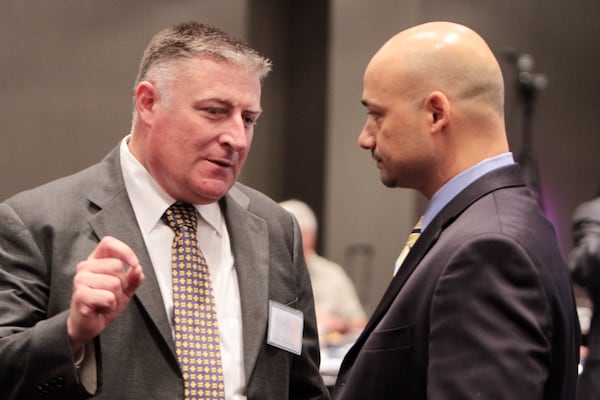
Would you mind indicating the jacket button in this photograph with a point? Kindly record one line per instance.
(58, 383)
(44, 388)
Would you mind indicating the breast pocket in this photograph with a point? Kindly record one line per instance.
(390, 339)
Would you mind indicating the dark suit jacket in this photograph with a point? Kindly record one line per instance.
(584, 262)
(481, 309)
(45, 232)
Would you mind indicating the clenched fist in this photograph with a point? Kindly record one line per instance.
(102, 287)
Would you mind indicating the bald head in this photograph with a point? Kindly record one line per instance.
(435, 97)
(447, 57)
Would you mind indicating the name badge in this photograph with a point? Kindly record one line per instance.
(285, 327)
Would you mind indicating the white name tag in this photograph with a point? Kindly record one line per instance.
(285, 327)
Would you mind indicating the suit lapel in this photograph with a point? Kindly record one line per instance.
(418, 251)
(116, 218)
(503, 177)
(250, 246)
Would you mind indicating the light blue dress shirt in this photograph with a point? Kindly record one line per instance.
(457, 184)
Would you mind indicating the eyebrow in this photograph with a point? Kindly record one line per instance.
(231, 105)
(370, 105)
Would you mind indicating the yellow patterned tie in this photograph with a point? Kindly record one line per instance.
(194, 310)
(412, 238)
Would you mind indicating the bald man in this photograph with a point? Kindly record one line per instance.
(482, 307)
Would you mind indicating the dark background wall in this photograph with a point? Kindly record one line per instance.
(67, 67)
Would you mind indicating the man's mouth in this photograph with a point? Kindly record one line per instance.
(376, 158)
(222, 162)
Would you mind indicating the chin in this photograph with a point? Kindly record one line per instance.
(387, 181)
(210, 192)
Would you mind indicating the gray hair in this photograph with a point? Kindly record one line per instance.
(192, 39)
(184, 41)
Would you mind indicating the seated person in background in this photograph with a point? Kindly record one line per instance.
(338, 308)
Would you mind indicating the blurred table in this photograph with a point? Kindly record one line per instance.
(332, 353)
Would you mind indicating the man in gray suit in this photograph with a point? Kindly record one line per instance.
(86, 299)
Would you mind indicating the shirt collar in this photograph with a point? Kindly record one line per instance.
(458, 183)
(150, 201)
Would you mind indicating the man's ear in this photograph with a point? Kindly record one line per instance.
(146, 101)
(438, 106)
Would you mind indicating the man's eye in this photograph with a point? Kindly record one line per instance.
(374, 116)
(250, 119)
(214, 111)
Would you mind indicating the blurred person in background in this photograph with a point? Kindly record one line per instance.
(584, 261)
(337, 305)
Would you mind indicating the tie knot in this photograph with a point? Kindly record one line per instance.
(181, 215)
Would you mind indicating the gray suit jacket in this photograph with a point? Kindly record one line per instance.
(482, 308)
(46, 231)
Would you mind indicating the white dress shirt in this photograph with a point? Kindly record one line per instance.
(149, 202)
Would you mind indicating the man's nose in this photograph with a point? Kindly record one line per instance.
(366, 137)
(237, 134)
